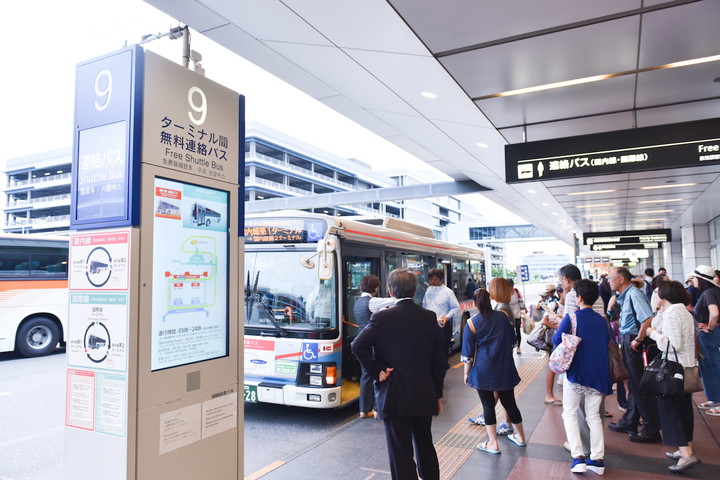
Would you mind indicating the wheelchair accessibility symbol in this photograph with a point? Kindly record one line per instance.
(309, 352)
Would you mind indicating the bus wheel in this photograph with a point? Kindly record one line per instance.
(37, 336)
(207, 222)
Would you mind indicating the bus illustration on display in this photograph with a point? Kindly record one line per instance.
(33, 293)
(168, 209)
(302, 278)
(97, 267)
(201, 215)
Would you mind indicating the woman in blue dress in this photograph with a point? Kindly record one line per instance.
(487, 352)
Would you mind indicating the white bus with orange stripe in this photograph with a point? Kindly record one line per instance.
(33, 293)
(299, 319)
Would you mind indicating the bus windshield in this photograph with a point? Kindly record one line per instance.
(282, 295)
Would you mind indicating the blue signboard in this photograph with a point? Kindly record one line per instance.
(106, 148)
(524, 273)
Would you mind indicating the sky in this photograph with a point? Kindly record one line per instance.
(44, 40)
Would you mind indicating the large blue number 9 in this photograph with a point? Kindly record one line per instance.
(103, 92)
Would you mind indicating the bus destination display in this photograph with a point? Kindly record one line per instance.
(284, 230)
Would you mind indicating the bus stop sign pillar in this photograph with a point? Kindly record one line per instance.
(153, 338)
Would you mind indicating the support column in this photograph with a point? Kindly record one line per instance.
(695, 247)
(672, 260)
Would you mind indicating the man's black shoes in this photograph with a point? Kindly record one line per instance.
(616, 427)
(642, 437)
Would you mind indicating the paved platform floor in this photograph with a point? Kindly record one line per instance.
(358, 451)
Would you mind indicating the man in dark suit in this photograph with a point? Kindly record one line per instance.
(402, 350)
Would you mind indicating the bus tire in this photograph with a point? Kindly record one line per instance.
(207, 222)
(37, 336)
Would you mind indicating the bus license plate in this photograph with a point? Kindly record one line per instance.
(250, 393)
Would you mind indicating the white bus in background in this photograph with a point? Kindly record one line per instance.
(302, 277)
(33, 293)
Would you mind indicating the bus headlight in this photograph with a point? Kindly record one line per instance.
(316, 380)
(316, 368)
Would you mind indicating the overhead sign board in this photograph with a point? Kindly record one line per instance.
(648, 148)
(627, 240)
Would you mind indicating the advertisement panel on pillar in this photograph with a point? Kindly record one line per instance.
(190, 269)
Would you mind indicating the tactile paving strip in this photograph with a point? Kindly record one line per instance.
(459, 442)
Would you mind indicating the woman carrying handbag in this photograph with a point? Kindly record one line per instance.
(587, 378)
(675, 326)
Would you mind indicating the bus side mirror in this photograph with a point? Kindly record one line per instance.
(325, 265)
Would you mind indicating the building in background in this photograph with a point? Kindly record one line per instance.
(37, 193)
(37, 187)
(277, 165)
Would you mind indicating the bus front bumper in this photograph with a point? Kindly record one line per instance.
(292, 395)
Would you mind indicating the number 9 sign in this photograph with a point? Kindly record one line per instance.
(201, 108)
(103, 89)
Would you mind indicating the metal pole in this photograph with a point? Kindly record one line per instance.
(186, 47)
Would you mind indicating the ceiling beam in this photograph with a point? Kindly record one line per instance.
(387, 194)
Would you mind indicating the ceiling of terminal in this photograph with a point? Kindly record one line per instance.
(438, 79)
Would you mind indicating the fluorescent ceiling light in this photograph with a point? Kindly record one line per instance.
(694, 61)
(654, 211)
(555, 213)
(531, 191)
(430, 95)
(668, 186)
(596, 78)
(603, 223)
(600, 215)
(545, 204)
(550, 86)
(652, 220)
(663, 201)
(482, 145)
(590, 193)
(596, 205)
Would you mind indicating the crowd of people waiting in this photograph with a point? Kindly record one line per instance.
(647, 316)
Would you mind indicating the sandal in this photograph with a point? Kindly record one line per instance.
(483, 446)
(714, 412)
(708, 404)
(515, 440)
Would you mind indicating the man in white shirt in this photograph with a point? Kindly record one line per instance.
(441, 300)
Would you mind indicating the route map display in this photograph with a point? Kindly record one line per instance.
(190, 274)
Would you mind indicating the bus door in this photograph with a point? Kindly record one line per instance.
(357, 263)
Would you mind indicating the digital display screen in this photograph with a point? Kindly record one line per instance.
(190, 274)
(284, 230)
(101, 175)
(627, 240)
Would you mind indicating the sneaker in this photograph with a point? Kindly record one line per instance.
(479, 420)
(505, 429)
(596, 466)
(578, 465)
